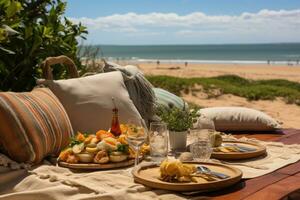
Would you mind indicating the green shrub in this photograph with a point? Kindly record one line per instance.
(231, 84)
(30, 31)
(177, 119)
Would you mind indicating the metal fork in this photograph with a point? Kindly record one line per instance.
(206, 170)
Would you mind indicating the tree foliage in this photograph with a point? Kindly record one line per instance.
(30, 31)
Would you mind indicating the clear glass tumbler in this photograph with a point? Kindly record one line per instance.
(202, 138)
(158, 136)
(201, 148)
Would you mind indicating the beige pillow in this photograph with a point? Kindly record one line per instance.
(88, 103)
(239, 119)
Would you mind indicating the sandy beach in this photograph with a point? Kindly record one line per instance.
(250, 71)
(288, 114)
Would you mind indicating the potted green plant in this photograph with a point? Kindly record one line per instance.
(179, 121)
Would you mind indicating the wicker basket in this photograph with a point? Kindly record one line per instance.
(66, 61)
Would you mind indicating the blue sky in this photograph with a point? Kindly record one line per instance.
(187, 21)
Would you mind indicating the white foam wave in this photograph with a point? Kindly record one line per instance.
(179, 61)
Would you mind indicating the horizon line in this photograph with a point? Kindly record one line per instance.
(263, 43)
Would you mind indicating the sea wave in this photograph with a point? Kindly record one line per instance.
(193, 61)
(180, 61)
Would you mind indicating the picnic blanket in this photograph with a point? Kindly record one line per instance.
(20, 181)
(55, 183)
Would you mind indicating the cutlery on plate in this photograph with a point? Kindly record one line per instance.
(205, 176)
(240, 148)
(206, 170)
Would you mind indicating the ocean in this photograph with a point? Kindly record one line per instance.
(287, 53)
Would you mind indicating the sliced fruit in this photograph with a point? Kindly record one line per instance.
(63, 156)
(116, 153)
(122, 139)
(103, 145)
(72, 159)
(85, 157)
(131, 153)
(111, 141)
(117, 157)
(145, 149)
(78, 148)
(92, 149)
(89, 138)
(123, 128)
(92, 145)
(80, 137)
(103, 134)
(95, 140)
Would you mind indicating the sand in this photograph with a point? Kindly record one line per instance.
(288, 114)
(257, 71)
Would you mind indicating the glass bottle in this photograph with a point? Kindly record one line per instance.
(115, 125)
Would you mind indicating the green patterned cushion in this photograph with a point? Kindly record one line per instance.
(167, 99)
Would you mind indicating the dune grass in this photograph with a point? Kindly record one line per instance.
(231, 84)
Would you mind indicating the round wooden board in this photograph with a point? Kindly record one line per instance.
(95, 166)
(149, 176)
(260, 150)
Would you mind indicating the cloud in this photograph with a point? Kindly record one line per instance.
(265, 24)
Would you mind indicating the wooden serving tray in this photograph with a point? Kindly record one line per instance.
(260, 150)
(95, 166)
(149, 176)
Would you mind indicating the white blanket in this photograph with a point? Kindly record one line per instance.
(56, 183)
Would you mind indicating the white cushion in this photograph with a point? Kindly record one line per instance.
(88, 100)
(239, 119)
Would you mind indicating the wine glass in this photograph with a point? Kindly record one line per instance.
(136, 135)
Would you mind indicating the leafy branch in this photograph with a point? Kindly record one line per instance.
(177, 119)
(30, 31)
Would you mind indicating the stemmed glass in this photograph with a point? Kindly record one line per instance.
(203, 136)
(136, 135)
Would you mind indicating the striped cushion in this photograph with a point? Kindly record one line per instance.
(165, 98)
(33, 125)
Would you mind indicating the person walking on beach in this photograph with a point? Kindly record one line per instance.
(186, 64)
(157, 63)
